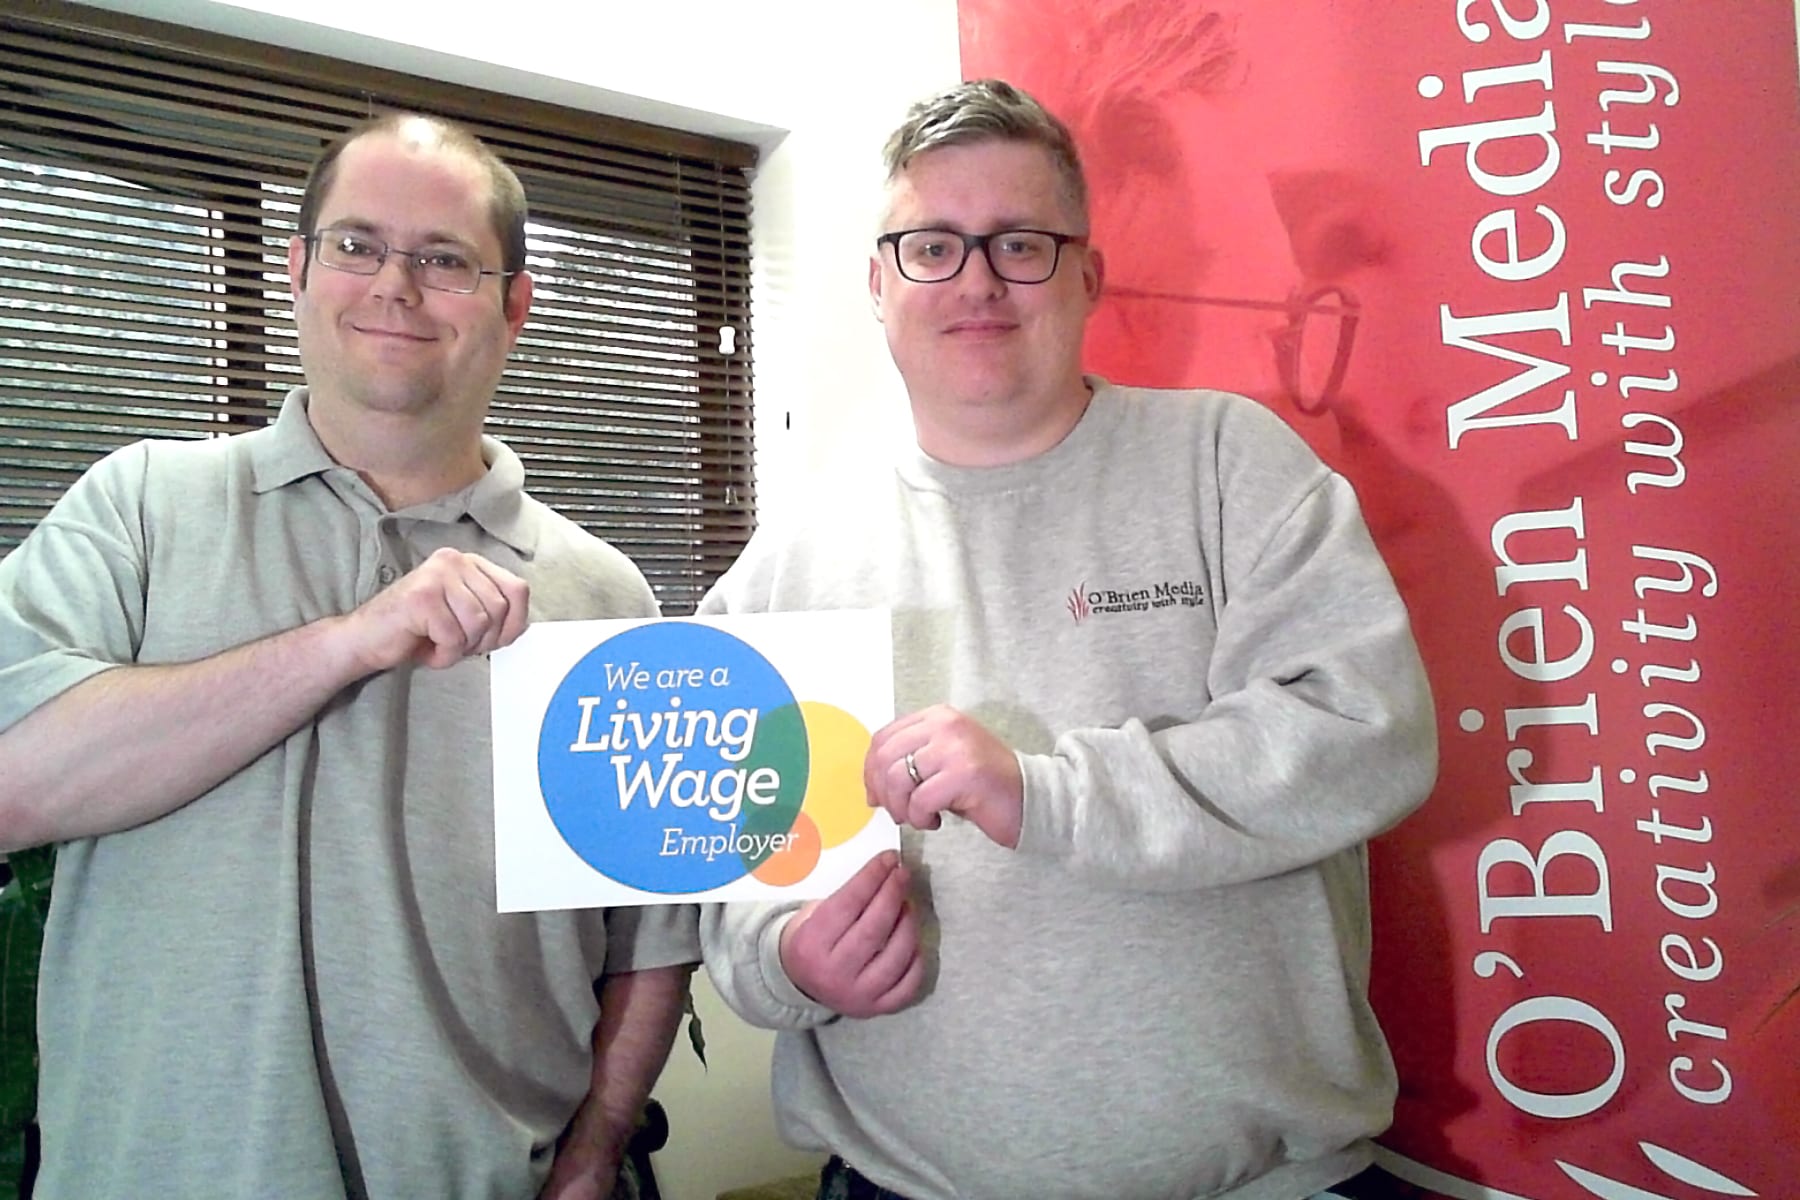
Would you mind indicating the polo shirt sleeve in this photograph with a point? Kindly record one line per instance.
(72, 594)
(651, 935)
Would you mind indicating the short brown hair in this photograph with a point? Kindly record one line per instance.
(506, 196)
(983, 110)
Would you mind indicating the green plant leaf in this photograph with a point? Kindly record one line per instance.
(24, 902)
(696, 1034)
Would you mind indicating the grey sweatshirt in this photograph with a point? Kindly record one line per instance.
(1178, 621)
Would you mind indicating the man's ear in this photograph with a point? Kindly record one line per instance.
(297, 264)
(875, 284)
(517, 302)
(1335, 220)
(1093, 274)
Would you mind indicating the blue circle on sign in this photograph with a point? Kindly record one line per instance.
(645, 756)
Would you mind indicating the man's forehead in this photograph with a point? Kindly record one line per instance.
(1002, 183)
(409, 188)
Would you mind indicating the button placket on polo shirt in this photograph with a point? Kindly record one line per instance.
(373, 565)
(389, 544)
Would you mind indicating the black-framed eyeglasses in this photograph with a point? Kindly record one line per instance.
(444, 268)
(1014, 255)
(1312, 351)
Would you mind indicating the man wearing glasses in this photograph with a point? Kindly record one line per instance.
(1158, 692)
(243, 687)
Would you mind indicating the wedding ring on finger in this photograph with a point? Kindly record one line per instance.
(912, 769)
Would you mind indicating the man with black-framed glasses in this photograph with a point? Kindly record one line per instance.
(243, 687)
(1158, 691)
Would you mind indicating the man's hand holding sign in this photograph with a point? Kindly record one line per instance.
(939, 760)
(857, 951)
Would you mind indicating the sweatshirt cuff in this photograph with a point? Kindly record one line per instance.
(804, 1012)
(1043, 825)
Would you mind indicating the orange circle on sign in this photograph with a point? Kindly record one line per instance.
(796, 860)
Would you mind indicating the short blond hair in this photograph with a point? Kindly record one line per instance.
(990, 110)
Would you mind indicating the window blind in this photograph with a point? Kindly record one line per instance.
(150, 178)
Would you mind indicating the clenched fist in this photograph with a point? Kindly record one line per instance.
(452, 606)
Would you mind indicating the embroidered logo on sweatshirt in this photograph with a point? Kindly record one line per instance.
(1085, 601)
(1078, 603)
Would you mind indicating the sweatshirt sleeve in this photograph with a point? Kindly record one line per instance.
(1319, 732)
(741, 942)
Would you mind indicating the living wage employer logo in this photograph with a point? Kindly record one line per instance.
(673, 758)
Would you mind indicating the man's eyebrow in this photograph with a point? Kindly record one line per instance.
(435, 238)
(1003, 225)
(445, 239)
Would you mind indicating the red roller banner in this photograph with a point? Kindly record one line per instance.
(1528, 273)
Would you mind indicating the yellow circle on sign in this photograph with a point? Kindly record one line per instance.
(837, 743)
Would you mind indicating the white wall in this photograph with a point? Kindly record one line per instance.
(817, 85)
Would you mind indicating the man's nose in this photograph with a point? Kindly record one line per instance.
(394, 278)
(978, 274)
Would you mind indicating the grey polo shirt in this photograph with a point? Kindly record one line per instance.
(297, 985)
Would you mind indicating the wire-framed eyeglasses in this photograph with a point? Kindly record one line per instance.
(443, 268)
(1014, 255)
(1312, 349)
